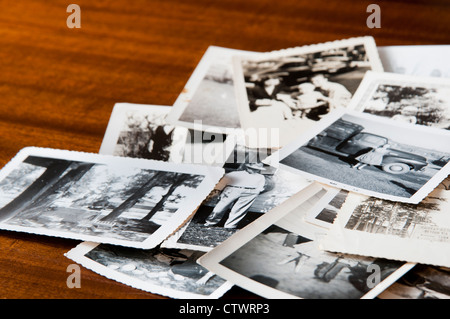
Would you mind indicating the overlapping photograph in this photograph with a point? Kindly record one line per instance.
(116, 200)
(415, 233)
(174, 273)
(248, 189)
(372, 155)
(141, 131)
(412, 99)
(278, 257)
(209, 95)
(292, 89)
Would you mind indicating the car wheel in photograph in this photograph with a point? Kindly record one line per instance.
(396, 168)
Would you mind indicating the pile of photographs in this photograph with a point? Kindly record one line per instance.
(312, 172)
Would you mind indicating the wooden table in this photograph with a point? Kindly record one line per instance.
(59, 85)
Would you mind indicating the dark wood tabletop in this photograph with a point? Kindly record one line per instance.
(59, 85)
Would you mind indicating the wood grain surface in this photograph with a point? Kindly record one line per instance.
(58, 85)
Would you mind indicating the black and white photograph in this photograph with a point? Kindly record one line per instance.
(140, 130)
(209, 94)
(294, 88)
(106, 199)
(276, 262)
(324, 213)
(370, 154)
(248, 189)
(423, 60)
(418, 233)
(174, 273)
(412, 99)
(421, 282)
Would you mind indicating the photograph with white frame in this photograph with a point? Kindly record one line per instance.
(413, 99)
(327, 208)
(294, 88)
(209, 95)
(371, 155)
(247, 190)
(418, 233)
(424, 60)
(172, 273)
(278, 258)
(141, 130)
(101, 198)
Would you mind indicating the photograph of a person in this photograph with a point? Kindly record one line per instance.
(168, 272)
(292, 89)
(141, 131)
(372, 155)
(248, 189)
(116, 200)
(412, 99)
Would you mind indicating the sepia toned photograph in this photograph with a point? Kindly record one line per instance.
(294, 88)
(372, 155)
(139, 130)
(412, 99)
(116, 200)
(417, 233)
(421, 282)
(173, 273)
(277, 259)
(248, 189)
(209, 95)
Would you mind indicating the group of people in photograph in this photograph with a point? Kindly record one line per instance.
(310, 99)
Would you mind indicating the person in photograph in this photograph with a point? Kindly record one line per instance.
(263, 89)
(308, 102)
(242, 188)
(373, 157)
(338, 94)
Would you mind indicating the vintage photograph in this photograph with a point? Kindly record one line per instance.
(173, 273)
(138, 130)
(373, 227)
(325, 211)
(421, 282)
(276, 262)
(294, 88)
(412, 99)
(209, 94)
(423, 60)
(248, 189)
(207, 148)
(116, 200)
(372, 155)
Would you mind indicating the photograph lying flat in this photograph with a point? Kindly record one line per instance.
(278, 257)
(169, 272)
(141, 131)
(208, 98)
(372, 155)
(247, 191)
(412, 99)
(292, 89)
(106, 199)
(415, 233)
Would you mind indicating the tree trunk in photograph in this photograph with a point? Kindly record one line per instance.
(133, 199)
(178, 180)
(72, 176)
(51, 175)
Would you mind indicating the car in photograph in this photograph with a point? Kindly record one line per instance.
(347, 140)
